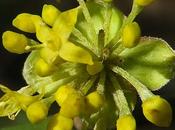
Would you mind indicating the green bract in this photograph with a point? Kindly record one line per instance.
(93, 62)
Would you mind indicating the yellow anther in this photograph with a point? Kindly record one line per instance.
(131, 34)
(23, 22)
(95, 68)
(50, 14)
(158, 111)
(144, 2)
(62, 93)
(42, 68)
(94, 101)
(37, 111)
(59, 122)
(126, 122)
(73, 105)
(14, 42)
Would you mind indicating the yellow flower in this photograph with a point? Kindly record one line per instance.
(37, 111)
(24, 22)
(158, 111)
(94, 101)
(131, 34)
(59, 122)
(14, 42)
(126, 122)
(50, 14)
(73, 105)
(62, 93)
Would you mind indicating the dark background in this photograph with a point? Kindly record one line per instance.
(157, 20)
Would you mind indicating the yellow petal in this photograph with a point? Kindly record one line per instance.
(42, 68)
(59, 122)
(73, 105)
(23, 22)
(65, 22)
(50, 14)
(62, 93)
(126, 122)
(94, 101)
(158, 111)
(131, 34)
(37, 111)
(14, 42)
(50, 56)
(73, 53)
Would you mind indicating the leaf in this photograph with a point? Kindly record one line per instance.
(98, 18)
(21, 123)
(151, 62)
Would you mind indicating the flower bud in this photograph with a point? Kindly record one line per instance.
(37, 111)
(158, 111)
(94, 101)
(73, 105)
(95, 68)
(144, 2)
(50, 14)
(62, 93)
(42, 68)
(14, 42)
(59, 122)
(23, 22)
(126, 122)
(131, 34)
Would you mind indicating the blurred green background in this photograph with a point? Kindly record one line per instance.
(156, 20)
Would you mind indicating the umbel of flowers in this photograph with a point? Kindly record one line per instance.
(93, 61)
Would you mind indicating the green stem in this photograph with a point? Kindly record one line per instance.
(101, 83)
(84, 89)
(119, 97)
(142, 90)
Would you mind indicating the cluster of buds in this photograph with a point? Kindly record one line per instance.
(92, 61)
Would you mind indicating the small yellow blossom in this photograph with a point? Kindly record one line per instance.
(131, 34)
(50, 14)
(158, 111)
(15, 42)
(94, 101)
(37, 111)
(42, 68)
(126, 122)
(59, 122)
(73, 105)
(62, 93)
(24, 22)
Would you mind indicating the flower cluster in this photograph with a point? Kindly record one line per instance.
(93, 62)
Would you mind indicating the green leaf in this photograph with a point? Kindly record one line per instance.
(21, 123)
(151, 62)
(98, 17)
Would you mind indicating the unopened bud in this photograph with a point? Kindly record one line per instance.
(158, 111)
(131, 34)
(14, 42)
